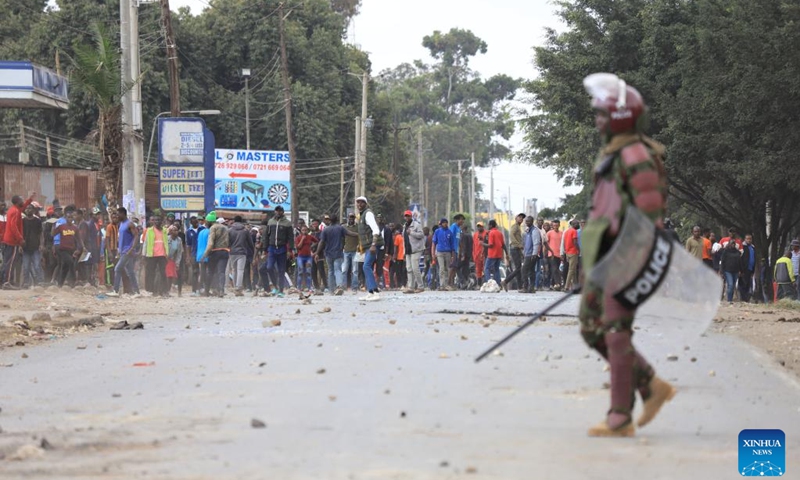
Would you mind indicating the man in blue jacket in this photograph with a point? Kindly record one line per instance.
(443, 244)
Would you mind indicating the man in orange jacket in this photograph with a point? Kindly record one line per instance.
(13, 239)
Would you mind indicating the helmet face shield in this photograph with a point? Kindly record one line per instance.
(610, 94)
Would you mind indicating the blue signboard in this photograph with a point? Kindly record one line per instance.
(185, 165)
(252, 180)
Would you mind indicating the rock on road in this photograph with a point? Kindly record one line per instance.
(384, 390)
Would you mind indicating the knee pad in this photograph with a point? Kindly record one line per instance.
(619, 342)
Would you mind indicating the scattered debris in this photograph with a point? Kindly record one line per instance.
(116, 395)
(256, 423)
(45, 445)
(297, 312)
(321, 371)
(144, 364)
(789, 320)
(402, 414)
(444, 464)
(90, 322)
(387, 392)
(124, 325)
(712, 373)
(325, 310)
(392, 322)
(694, 359)
(464, 337)
(544, 358)
(24, 355)
(332, 398)
(25, 452)
(262, 364)
(606, 385)
(471, 470)
(81, 347)
(41, 317)
(557, 357)
(672, 357)
(443, 355)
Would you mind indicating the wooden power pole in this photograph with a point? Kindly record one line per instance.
(287, 97)
(172, 61)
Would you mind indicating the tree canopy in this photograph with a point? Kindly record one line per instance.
(722, 81)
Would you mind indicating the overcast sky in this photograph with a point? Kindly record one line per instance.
(391, 31)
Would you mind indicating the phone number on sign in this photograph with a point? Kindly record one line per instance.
(251, 166)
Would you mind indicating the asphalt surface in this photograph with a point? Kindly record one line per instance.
(384, 390)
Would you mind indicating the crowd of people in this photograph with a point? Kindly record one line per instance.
(746, 273)
(209, 254)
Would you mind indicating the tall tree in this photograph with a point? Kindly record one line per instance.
(96, 70)
(722, 83)
(458, 111)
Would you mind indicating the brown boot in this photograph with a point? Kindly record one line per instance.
(660, 393)
(603, 430)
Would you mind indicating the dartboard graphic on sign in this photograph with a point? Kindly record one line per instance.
(278, 193)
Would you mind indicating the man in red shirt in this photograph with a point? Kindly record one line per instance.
(13, 239)
(571, 252)
(496, 247)
(554, 255)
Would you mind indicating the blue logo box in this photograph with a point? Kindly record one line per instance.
(762, 453)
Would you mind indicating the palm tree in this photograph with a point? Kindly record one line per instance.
(96, 69)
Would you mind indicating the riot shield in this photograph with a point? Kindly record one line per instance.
(645, 269)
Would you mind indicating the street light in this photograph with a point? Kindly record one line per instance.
(246, 75)
(153, 130)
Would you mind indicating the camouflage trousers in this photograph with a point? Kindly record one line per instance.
(607, 327)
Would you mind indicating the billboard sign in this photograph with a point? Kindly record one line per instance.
(185, 165)
(251, 180)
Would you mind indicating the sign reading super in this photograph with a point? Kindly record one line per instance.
(251, 179)
(185, 165)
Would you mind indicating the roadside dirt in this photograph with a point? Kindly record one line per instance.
(775, 329)
(29, 317)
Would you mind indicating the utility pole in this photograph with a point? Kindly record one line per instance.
(125, 46)
(23, 147)
(449, 195)
(491, 192)
(426, 190)
(49, 153)
(460, 187)
(287, 97)
(472, 191)
(342, 200)
(172, 61)
(419, 170)
(357, 169)
(364, 94)
(135, 116)
(246, 75)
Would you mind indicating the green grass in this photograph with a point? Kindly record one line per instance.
(787, 304)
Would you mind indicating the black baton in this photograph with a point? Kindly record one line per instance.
(527, 324)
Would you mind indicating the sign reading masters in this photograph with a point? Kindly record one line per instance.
(185, 164)
(762, 453)
(251, 180)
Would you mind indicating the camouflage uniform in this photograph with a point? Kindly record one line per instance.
(628, 171)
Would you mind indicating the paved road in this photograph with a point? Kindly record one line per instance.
(386, 390)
